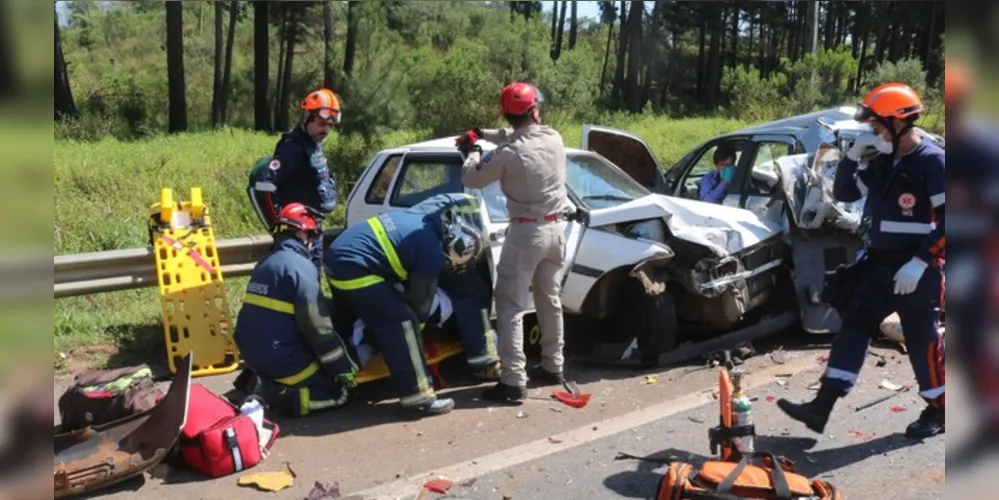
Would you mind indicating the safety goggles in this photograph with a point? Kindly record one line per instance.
(328, 115)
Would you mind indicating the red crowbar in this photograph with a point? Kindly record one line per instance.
(191, 253)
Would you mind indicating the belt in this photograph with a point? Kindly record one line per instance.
(547, 218)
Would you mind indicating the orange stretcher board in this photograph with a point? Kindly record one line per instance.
(436, 348)
(725, 390)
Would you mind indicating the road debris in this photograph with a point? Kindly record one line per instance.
(897, 409)
(320, 490)
(650, 379)
(554, 409)
(521, 414)
(861, 435)
(887, 384)
(822, 359)
(554, 441)
(269, 481)
(695, 420)
(439, 485)
(769, 399)
(815, 386)
(573, 400)
(468, 482)
(778, 356)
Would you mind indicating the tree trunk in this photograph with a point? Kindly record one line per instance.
(261, 67)
(289, 56)
(830, 28)
(702, 38)
(217, 77)
(351, 44)
(634, 55)
(573, 27)
(561, 31)
(714, 58)
(882, 37)
(328, 72)
(175, 66)
(932, 51)
(734, 57)
(603, 72)
(752, 32)
(282, 43)
(64, 105)
(551, 52)
(234, 8)
(617, 90)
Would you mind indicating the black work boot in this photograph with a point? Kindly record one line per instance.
(502, 393)
(930, 423)
(438, 406)
(539, 374)
(815, 413)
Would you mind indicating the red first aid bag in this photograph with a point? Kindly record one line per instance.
(217, 439)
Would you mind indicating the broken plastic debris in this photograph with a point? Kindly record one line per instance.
(468, 483)
(269, 481)
(521, 414)
(769, 399)
(320, 490)
(887, 384)
(573, 400)
(861, 435)
(650, 379)
(815, 386)
(554, 409)
(822, 359)
(897, 409)
(554, 441)
(439, 485)
(695, 420)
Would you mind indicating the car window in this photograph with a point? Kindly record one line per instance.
(379, 187)
(495, 203)
(424, 175)
(598, 183)
(763, 176)
(704, 165)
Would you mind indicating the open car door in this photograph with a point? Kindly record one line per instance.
(629, 152)
(823, 232)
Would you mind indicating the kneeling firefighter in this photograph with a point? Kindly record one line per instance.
(471, 295)
(385, 271)
(284, 332)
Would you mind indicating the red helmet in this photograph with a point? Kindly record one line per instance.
(519, 98)
(297, 216)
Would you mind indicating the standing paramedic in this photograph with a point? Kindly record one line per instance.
(297, 173)
(901, 269)
(529, 164)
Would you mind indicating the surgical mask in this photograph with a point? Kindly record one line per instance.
(883, 146)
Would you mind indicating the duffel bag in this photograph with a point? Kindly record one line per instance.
(720, 480)
(218, 440)
(101, 396)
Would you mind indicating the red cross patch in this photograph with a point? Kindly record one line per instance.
(906, 201)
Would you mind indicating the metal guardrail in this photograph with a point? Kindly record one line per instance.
(127, 269)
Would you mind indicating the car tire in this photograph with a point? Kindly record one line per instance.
(652, 320)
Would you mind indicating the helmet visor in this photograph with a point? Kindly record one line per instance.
(864, 114)
(329, 114)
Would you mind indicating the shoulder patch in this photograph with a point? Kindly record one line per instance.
(488, 156)
(274, 164)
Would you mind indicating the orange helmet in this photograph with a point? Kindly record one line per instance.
(324, 103)
(890, 100)
(957, 82)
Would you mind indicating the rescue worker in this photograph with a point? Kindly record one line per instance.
(529, 164)
(714, 186)
(284, 332)
(901, 262)
(297, 172)
(471, 296)
(385, 271)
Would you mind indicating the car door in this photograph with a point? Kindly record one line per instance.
(629, 152)
(757, 178)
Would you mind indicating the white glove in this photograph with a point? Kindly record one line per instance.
(907, 278)
(863, 142)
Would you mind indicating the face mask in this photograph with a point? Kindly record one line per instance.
(883, 146)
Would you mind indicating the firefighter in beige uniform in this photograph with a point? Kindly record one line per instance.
(529, 163)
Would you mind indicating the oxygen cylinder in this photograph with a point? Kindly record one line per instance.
(742, 413)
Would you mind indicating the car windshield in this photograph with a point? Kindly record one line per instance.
(597, 183)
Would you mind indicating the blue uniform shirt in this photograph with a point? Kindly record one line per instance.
(266, 330)
(408, 244)
(905, 202)
(298, 173)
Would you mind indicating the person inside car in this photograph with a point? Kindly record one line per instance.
(714, 186)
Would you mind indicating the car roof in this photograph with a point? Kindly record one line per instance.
(797, 125)
(448, 143)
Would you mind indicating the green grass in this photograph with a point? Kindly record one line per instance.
(103, 191)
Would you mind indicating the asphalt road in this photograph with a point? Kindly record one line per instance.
(544, 449)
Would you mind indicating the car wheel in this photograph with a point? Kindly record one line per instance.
(532, 336)
(652, 320)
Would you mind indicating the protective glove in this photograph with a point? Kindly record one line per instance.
(466, 142)
(907, 278)
(860, 146)
(727, 173)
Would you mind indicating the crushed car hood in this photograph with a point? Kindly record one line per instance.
(725, 230)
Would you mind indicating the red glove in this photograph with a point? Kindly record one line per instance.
(466, 142)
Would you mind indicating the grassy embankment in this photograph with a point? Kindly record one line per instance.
(103, 191)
